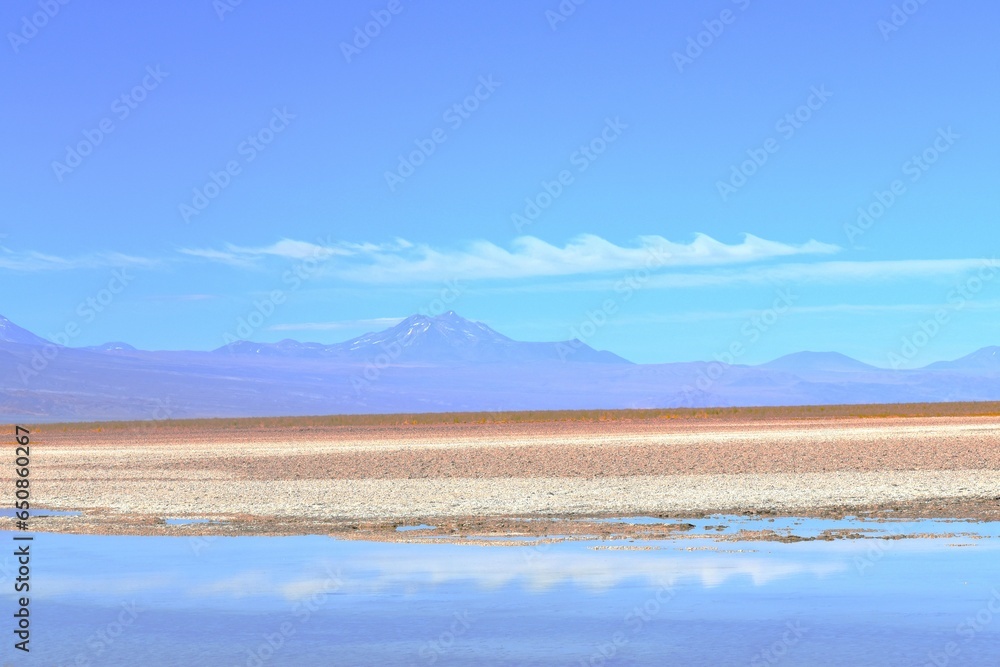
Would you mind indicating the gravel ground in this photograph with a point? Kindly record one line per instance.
(259, 480)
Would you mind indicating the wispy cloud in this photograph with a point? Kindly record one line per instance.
(31, 261)
(292, 250)
(221, 256)
(826, 272)
(746, 313)
(588, 261)
(943, 272)
(528, 257)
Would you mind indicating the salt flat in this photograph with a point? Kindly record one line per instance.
(282, 480)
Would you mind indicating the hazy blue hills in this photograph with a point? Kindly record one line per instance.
(799, 362)
(447, 338)
(111, 347)
(986, 359)
(441, 363)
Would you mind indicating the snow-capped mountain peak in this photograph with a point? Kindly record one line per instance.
(11, 333)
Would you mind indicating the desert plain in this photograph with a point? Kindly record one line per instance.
(514, 473)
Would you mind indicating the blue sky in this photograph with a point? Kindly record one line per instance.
(655, 179)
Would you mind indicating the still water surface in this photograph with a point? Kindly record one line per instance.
(152, 601)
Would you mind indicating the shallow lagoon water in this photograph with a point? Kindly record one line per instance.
(221, 601)
(186, 521)
(421, 526)
(726, 524)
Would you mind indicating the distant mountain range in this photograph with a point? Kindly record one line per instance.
(818, 362)
(428, 364)
(986, 358)
(446, 338)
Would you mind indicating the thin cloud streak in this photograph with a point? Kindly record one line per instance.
(529, 257)
(827, 272)
(840, 309)
(29, 262)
